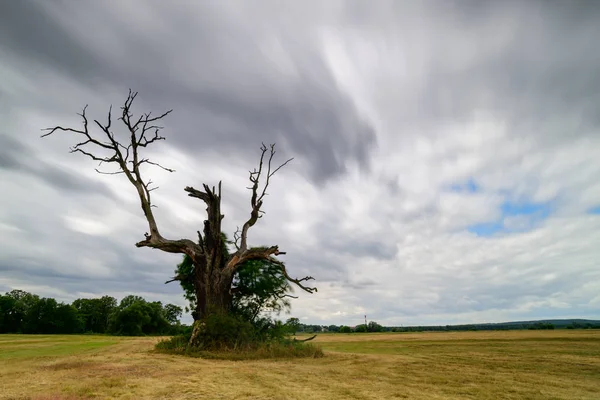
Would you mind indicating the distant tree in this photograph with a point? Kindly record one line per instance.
(23, 312)
(95, 313)
(374, 327)
(89, 315)
(540, 326)
(333, 328)
(107, 305)
(135, 316)
(130, 300)
(18, 304)
(41, 317)
(9, 320)
(130, 319)
(311, 328)
(345, 329)
(67, 319)
(361, 328)
(158, 321)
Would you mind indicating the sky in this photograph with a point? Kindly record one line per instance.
(446, 153)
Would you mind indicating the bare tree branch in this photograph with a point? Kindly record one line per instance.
(298, 282)
(84, 132)
(125, 155)
(178, 278)
(109, 173)
(146, 161)
(237, 237)
(305, 340)
(281, 296)
(256, 199)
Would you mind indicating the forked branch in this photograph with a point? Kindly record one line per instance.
(256, 200)
(298, 282)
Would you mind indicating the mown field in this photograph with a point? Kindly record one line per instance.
(545, 365)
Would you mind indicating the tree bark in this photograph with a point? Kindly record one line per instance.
(214, 296)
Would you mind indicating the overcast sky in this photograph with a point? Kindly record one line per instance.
(447, 154)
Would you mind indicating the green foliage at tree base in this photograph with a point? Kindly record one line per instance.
(229, 336)
(277, 349)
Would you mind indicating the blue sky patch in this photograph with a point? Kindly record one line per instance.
(486, 228)
(511, 209)
(594, 210)
(516, 217)
(469, 186)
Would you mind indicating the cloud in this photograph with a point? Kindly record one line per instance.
(219, 101)
(445, 154)
(18, 158)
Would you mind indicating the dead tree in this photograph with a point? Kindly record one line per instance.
(214, 267)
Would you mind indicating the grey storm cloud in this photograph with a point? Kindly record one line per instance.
(384, 106)
(540, 70)
(231, 96)
(532, 62)
(18, 157)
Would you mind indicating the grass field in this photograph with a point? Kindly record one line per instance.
(545, 365)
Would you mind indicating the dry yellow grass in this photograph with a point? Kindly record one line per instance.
(466, 365)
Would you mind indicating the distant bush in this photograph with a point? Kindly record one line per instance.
(578, 325)
(540, 326)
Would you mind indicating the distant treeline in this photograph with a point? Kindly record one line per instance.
(23, 312)
(531, 325)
